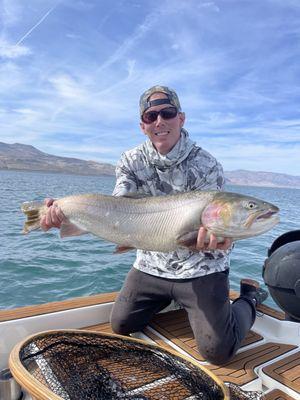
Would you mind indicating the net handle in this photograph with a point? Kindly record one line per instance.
(35, 388)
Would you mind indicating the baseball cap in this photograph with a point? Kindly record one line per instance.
(172, 98)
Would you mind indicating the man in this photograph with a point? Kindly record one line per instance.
(169, 162)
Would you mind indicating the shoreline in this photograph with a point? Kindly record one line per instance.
(113, 176)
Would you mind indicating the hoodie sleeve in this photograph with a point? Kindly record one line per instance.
(125, 178)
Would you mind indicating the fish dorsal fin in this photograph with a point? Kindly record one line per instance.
(135, 195)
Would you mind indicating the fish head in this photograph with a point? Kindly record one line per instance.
(238, 216)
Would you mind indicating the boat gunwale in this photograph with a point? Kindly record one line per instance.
(102, 298)
(56, 306)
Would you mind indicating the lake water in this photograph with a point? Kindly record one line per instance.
(40, 267)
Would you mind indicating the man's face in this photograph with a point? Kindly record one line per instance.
(163, 133)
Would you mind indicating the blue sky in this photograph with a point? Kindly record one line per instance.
(72, 71)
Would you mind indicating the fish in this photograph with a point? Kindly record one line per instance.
(158, 223)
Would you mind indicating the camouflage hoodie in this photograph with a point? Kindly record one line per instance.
(186, 167)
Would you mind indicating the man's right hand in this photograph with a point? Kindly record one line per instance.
(54, 216)
(213, 241)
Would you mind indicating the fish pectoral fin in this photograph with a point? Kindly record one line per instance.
(69, 229)
(123, 249)
(188, 240)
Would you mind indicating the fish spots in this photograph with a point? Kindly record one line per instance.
(226, 214)
(116, 225)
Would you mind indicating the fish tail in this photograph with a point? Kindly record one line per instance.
(33, 210)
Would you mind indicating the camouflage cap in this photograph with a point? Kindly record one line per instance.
(172, 98)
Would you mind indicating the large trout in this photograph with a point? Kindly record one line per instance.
(163, 223)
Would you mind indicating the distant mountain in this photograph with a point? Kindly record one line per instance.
(27, 158)
(260, 178)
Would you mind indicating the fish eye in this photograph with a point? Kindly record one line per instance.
(251, 205)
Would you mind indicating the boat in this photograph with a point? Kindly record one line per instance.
(267, 362)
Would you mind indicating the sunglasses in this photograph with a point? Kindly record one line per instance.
(165, 113)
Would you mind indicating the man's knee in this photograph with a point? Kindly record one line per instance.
(217, 352)
(217, 356)
(124, 323)
(119, 326)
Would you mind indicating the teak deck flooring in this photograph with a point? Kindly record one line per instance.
(174, 327)
(286, 371)
(277, 395)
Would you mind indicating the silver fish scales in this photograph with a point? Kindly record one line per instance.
(163, 223)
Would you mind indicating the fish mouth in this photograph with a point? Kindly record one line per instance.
(260, 216)
(267, 214)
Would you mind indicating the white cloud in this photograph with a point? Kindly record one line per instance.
(79, 93)
(11, 77)
(10, 12)
(12, 51)
(68, 88)
(209, 5)
(80, 5)
(24, 111)
(73, 36)
(259, 157)
(139, 33)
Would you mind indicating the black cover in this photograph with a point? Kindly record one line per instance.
(281, 272)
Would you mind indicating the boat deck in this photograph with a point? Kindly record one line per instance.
(268, 360)
(259, 364)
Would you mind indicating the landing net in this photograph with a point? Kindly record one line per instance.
(76, 365)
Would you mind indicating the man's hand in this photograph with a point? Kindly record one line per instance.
(54, 216)
(213, 243)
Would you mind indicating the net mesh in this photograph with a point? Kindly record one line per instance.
(85, 365)
(236, 393)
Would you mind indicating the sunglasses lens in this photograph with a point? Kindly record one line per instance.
(165, 113)
(149, 117)
(168, 113)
